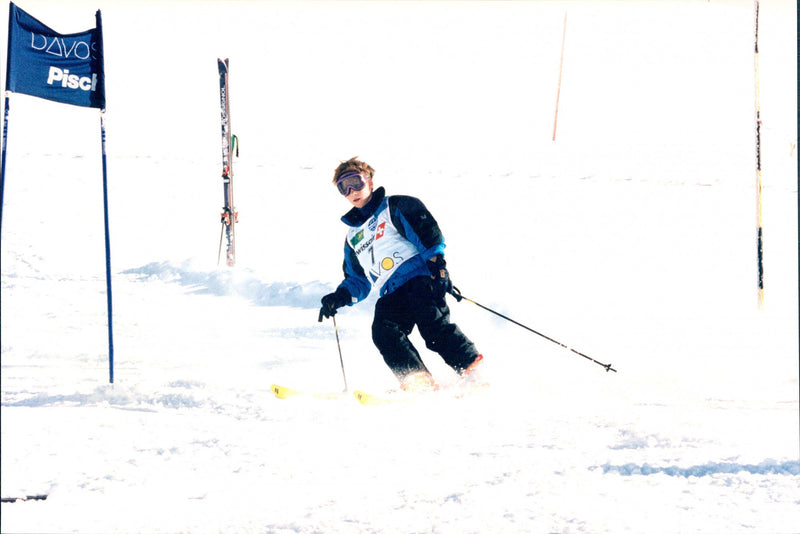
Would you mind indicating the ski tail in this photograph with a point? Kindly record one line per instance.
(282, 392)
(229, 216)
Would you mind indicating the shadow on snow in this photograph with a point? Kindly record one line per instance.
(768, 467)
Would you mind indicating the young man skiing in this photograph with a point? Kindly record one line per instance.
(393, 243)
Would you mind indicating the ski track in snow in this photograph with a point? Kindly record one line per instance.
(205, 438)
(220, 283)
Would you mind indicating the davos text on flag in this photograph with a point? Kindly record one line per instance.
(65, 68)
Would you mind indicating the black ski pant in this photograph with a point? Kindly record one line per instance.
(413, 304)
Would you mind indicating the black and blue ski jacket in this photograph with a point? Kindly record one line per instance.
(388, 242)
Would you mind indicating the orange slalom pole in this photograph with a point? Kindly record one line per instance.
(560, 70)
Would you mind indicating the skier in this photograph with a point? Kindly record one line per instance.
(393, 243)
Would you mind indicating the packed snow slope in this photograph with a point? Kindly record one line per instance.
(630, 238)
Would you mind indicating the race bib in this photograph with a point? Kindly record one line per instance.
(379, 247)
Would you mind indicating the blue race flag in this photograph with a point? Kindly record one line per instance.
(58, 67)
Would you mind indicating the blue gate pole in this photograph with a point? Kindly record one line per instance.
(3, 164)
(108, 250)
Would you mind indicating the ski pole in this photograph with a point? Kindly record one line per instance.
(458, 296)
(338, 345)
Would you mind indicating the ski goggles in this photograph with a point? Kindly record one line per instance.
(349, 182)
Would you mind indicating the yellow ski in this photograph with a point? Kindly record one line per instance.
(368, 399)
(282, 392)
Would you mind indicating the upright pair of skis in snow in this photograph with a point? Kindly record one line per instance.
(370, 399)
(229, 215)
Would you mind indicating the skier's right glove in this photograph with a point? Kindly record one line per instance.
(333, 301)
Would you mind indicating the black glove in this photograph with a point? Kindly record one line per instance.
(333, 301)
(441, 278)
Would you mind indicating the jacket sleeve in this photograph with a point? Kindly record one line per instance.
(355, 281)
(414, 222)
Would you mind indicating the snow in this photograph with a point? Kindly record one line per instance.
(631, 238)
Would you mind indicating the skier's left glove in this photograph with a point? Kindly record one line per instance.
(440, 277)
(333, 301)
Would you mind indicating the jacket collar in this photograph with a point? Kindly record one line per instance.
(358, 216)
